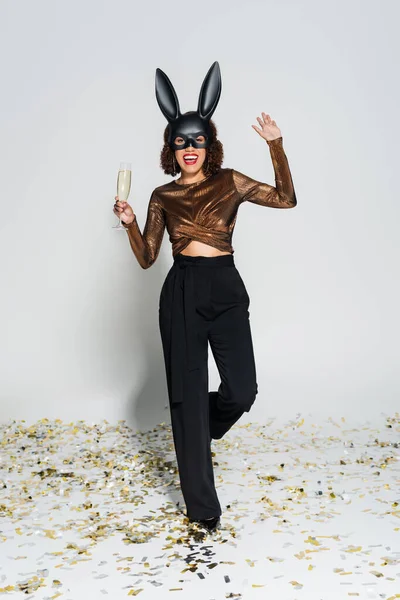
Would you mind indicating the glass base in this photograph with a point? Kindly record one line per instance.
(119, 226)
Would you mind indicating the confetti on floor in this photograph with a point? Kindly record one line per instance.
(310, 510)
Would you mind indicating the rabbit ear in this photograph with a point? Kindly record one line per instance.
(210, 92)
(166, 96)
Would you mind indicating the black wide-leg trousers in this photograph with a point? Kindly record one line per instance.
(204, 301)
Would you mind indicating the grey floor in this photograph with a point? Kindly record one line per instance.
(310, 510)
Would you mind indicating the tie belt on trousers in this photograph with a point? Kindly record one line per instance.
(184, 347)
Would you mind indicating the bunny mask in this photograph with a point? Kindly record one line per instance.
(191, 124)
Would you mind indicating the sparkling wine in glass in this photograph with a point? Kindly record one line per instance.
(123, 187)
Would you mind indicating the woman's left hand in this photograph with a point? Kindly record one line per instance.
(269, 129)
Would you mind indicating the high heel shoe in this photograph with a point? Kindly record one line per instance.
(210, 524)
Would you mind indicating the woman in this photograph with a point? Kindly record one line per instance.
(203, 299)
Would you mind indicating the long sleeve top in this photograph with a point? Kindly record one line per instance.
(206, 211)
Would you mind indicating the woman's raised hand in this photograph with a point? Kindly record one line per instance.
(269, 129)
(124, 211)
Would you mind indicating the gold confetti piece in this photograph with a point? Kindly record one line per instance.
(50, 533)
(8, 588)
(250, 562)
(269, 478)
(376, 573)
(311, 567)
(296, 583)
(136, 592)
(311, 540)
(255, 585)
(353, 549)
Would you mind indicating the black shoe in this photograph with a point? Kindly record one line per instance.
(210, 524)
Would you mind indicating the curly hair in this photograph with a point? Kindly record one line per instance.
(212, 163)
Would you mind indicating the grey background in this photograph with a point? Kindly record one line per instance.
(79, 320)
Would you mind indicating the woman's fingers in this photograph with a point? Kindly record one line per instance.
(259, 131)
(120, 204)
(266, 120)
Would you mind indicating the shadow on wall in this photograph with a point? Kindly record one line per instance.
(115, 342)
(147, 405)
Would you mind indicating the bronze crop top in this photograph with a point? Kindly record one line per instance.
(206, 211)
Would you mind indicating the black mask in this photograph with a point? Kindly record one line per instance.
(191, 124)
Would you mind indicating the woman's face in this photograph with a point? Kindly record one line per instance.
(190, 159)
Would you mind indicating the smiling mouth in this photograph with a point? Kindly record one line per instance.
(190, 159)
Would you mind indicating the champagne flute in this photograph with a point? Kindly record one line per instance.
(123, 187)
